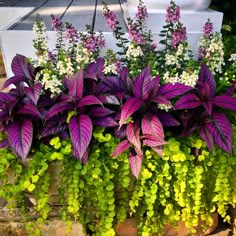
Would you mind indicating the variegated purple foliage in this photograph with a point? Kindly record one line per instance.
(140, 120)
(204, 110)
(85, 98)
(20, 115)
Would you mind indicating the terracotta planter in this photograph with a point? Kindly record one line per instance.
(194, 5)
(129, 228)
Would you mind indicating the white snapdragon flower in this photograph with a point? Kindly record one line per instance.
(213, 49)
(83, 57)
(171, 59)
(65, 67)
(134, 52)
(189, 79)
(164, 107)
(51, 83)
(232, 57)
(171, 79)
(110, 69)
(40, 42)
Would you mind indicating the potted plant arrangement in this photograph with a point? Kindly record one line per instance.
(140, 133)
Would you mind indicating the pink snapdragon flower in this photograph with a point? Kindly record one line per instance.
(178, 36)
(57, 24)
(173, 13)
(71, 33)
(110, 18)
(135, 35)
(208, 28)
(142, 13)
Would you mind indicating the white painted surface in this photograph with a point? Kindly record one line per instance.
(10, 15)
(183, 4)
(193, 20)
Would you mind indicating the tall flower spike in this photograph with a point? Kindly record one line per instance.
(173, 13)
(57, 24)
(110, 17)
(208, 28)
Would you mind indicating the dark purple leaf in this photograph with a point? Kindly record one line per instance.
(207, 136)
(206, 77)
(33, 92)
(20, 135)
(167, 119)
(4, 144)
(20, 67)
(221, 130)
(131, 106)
(142, 84)
(230, 91)
(80, 132)
(152, 140)
(187, 101)
(6, 97)
(120, 132)
(4, 115)
(135, 162)
(152, 125)
(225, 101)
(132, 132)
(57, 108)
(95, 69)
(84, 158)
(13, 80)
(170, 91)
(89, 100)
(208, 106)
(154, 86)
(121, 147)
(54, 126)
(76, 85)
(105, 122)
(99, 111)
(31, 110)
(160, 100)
(114, 83)
(124, 74)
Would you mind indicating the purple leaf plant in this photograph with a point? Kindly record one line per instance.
(204, 110)
(139, 120)
(20, 110)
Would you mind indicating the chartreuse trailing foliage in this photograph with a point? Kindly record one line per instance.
(102, 193)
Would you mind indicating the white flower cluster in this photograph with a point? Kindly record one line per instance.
(164, 107)
(40, 42)
(171, 79)
(49, 81)
(65, 67)
(134, 52)
(177, 57)
(83, 56)
(186, 78)
(213, 52)
(189, 79)
(110, 68)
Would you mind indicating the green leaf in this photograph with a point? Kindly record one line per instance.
(35, 178)
(31, 188)
(110, 187)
